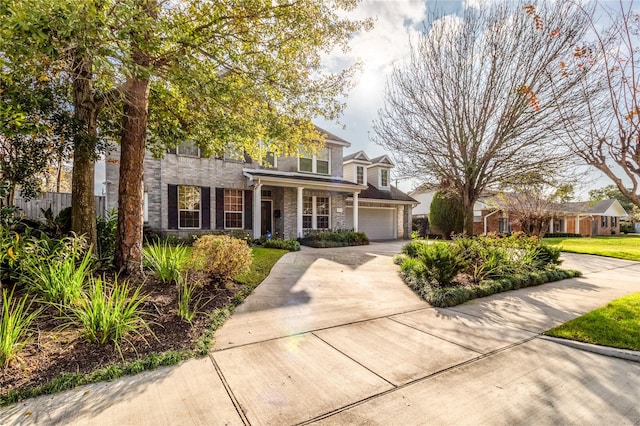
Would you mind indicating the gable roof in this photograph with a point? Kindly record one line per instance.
(382, 160)
(610, 207)
(359, 156)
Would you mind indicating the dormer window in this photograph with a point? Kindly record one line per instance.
(384, 177)
(314, 163)
(359, 175)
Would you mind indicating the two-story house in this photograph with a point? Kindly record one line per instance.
(186, 194)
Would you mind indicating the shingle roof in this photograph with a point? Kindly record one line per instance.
(331, 136)
(587, 207)
(393, 194)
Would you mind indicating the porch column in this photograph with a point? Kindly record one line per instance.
(257, 210)
(299, 221)
(355, 211)
(551, 226)
(577, 224)
(564, 225)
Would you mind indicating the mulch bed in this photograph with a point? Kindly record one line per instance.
(55, 350)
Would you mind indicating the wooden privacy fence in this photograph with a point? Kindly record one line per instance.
(33, 209)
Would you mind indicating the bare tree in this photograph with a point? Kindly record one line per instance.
(472, 105)
(532, 200)
(606, 134)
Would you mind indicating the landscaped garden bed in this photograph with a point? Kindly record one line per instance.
(64, 322)
(450, 273)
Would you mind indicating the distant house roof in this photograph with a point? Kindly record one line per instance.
(610, 207)
(394, 194)
(359, 156)
(383, 160)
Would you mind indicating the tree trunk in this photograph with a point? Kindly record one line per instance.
(130, 190)
(467, 206)
(83, 211)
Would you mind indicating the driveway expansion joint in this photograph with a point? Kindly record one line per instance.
(418, 380)
(239, 408)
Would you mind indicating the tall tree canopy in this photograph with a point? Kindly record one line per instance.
(606, 133)
(217, 73)
(472, 104)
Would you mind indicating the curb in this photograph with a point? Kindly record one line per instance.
(625, 354)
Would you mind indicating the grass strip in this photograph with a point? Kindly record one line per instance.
(616, 325)
(619, 247)
(263, 261)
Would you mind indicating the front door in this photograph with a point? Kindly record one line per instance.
(265, 214)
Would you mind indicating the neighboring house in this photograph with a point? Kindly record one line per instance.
(584, 218)
(186, 194)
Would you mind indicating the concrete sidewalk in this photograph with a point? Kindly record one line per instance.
(334, 336)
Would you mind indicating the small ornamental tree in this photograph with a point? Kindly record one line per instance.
(446, 214)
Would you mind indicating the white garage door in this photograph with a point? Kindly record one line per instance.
(378, 224)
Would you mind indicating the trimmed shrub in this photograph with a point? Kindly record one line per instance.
(291, 244)
(337, 238)
(446, 214)
(221, 256)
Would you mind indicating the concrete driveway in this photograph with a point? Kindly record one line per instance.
(335, 337)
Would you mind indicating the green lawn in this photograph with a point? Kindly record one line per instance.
(621, 247)
(263, 261)
(616, 325)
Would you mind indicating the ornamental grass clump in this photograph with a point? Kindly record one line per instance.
(167, 262)
(57, 271)
(221, 256)
(109, 313)
(15, 326)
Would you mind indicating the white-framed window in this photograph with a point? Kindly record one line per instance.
(557, 225)
(188, 207)
(360, 175)
(504, 225)
(603, 221)
(233, 208)
(188, 149)
(315, 163)
(384, 177)
(322, 212)
(614, 221)
(316, 212)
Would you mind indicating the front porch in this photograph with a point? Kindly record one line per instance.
(288, 204)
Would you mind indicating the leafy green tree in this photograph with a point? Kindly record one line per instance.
(219, 73)
(28, 145)
(446, 214)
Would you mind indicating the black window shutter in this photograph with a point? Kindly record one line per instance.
(172, 205)
(205, 203)
(172, 151)
(248, 211)
(219, 208)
